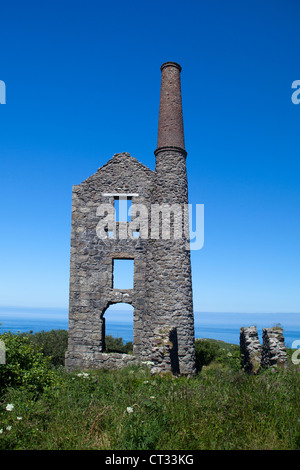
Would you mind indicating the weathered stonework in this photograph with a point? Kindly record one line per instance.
(250, 349)
(165, 350)
(162, 289)
(271, 353)
(274, 350)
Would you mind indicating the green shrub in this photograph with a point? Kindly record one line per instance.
(206, 352)
(53, 343)
(221, 353)
(25, 364)
(128, 347)
(116, 345)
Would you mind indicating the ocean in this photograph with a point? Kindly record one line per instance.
(220, 326)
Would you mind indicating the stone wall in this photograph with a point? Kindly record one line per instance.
(271, 353)
(274, 350)
(250, 349)
(107, 361)
(165, 350)
(91, 266)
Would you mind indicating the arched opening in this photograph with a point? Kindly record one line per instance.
(118, 330)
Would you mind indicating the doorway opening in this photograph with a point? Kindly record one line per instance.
(118, 329)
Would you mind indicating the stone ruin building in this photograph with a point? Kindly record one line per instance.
(163, 319)
(271, 353)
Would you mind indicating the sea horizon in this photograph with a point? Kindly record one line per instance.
(224, 326)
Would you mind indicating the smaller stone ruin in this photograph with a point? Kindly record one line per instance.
(274, 350)
(250, 349)
(271, 353)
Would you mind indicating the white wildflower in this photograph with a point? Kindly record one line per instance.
(1, 431)
(9, 407)
(129, 409)
(8, 428)
(152, 397)
(19, 418)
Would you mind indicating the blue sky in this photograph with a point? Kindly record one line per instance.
(82, 83)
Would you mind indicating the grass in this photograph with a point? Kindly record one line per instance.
(221, 408)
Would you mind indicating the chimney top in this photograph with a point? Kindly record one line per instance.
(171, 64)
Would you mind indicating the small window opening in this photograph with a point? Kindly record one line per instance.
(123, 270)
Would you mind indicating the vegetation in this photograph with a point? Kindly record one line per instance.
(52, 343)
(116, 345)
(208, 350)
(26, 365)
(44, 407)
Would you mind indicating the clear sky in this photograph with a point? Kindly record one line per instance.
(82, 83)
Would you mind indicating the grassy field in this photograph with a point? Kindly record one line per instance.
(43, 407)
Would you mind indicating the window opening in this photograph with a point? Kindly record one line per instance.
(123, 272)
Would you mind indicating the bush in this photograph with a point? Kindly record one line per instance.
(220, 353)
(116, 345)
(25, 364)
(53, 344)
(206, 352)
(128, 348)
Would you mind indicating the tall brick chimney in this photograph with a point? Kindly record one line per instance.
(168, 260)
(170, 124)
(170, 154)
